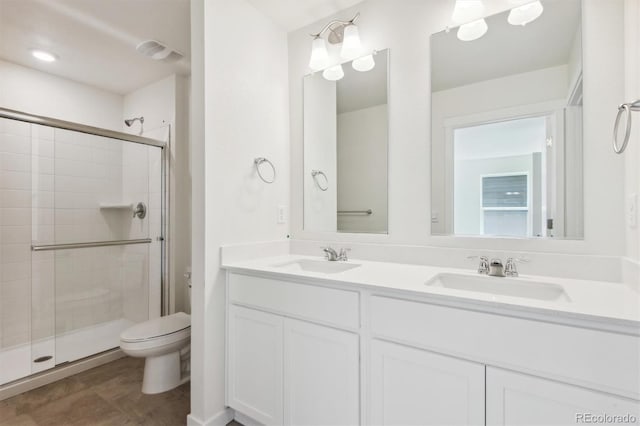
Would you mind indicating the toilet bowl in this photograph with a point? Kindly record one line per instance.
(162, 342)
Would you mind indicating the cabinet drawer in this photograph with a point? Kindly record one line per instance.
(595, 359)
(309, 302)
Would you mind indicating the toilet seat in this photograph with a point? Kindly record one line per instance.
(170, 328)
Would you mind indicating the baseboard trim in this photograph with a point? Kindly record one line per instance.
(58, 373)
(245, 420)
(220, 419)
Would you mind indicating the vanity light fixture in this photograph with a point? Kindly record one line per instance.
(529, 12)
(339, 32)
(473, 30)
(333, 73)
(319, 55)
(364, 64)
(351, 45)
(44, 56)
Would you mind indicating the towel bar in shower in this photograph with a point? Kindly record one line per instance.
(363, 212)
(624, 108)
(47, 247)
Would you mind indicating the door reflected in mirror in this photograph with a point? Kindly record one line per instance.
(346, 149)
(507, 128)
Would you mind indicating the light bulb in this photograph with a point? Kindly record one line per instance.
(319, 55)
(473, 30)
(526, 13)
(351, 45)
(43, 56)
(334, 73)
(467, 11)
(366, 63)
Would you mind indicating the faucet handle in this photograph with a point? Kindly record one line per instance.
(510, 268)
(343, 254)
(483, 266)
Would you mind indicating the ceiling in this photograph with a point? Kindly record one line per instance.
(294, 14)
(506, 49)
(95, 40)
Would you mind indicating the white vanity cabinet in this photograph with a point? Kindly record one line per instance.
(515, 399)
(321, 375)
(415, 387)
(255, 364)
(283, 370)
(317, 352)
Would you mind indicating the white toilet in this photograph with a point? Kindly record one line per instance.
(164, 342)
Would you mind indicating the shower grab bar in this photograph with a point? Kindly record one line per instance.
(624, 108)
(48, 247)
(364, 212)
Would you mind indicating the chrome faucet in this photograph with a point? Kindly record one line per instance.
(333, 256)
(496, 269)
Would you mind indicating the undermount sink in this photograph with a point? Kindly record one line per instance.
(322, 266)
(515, 287)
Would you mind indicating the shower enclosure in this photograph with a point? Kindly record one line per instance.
(82, 220)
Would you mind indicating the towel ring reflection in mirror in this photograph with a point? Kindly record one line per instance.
(258, 162)
(622, 109)
(315, 174)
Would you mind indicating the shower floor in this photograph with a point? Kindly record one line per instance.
(16, 361)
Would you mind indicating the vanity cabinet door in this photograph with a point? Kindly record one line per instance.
(519, 399)
(255, 364)
(321, 375)
(416, 387)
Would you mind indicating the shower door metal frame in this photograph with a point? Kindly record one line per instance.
(126, 137)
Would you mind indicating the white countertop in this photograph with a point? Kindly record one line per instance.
(604, 305)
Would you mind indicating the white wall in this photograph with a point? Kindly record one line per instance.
(404, 28)
(164, 106)
(362, 169)
(320, 128)
(27, 90)
(242, 89)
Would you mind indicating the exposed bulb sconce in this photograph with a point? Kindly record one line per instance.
(333, 73)
(466, 11)
(339, 32)
(522, 15)
(473, 30)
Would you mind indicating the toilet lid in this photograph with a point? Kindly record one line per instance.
(157, 327)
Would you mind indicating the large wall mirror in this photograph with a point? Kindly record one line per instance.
(346, 150)
(506, 126)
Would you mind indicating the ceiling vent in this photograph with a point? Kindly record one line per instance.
(158, 51)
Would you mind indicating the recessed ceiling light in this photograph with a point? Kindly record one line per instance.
(44, 56)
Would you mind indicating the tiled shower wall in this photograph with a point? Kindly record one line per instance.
(15, 233)
(52, 185)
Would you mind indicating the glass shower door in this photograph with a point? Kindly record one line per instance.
(81, 225)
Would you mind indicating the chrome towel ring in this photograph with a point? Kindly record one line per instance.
(624, 108)
(315, 174)
(258, 162)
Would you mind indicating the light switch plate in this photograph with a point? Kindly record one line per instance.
(632, 211)
(282, 214)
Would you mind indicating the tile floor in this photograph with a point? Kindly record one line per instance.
(106, 395)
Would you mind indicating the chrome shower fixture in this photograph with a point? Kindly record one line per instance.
(129, 122)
